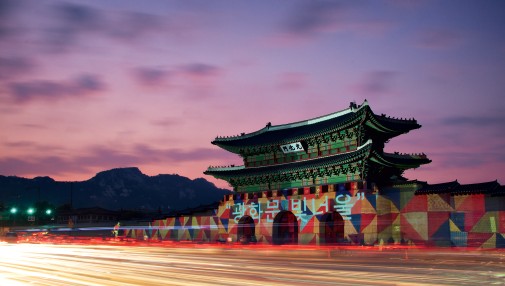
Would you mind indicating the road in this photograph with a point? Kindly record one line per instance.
(67, 264)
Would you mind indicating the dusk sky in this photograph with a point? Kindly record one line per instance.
(87, 86)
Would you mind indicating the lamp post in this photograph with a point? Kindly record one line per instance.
(31, 215)
(49, 214)
(13, 212)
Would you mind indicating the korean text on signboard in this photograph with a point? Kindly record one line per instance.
(293, 147)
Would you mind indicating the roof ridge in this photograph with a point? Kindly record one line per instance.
(269, 127)
(404, 155)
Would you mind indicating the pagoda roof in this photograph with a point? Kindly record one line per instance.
(438, 188)
(455, 188)
(362, 153)
(342, 158)
(402, 161)
(303, 130)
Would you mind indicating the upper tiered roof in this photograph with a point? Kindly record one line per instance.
(319, 126)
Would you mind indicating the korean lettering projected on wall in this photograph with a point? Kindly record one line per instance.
(272, 210)
(302, 208)
(240, 209)
(344, 204)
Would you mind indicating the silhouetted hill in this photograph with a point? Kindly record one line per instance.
(123, 188)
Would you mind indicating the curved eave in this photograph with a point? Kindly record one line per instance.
(390, 126)
(399, 161)
(298, 131)
(338, 159)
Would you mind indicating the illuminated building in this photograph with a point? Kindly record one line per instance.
(328, 180)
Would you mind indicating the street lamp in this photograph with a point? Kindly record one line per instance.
(13, 212)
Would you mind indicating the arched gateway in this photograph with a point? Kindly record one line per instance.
(285, 228)
(246, 229)
(331, 228)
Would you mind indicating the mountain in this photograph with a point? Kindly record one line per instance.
(122, 188)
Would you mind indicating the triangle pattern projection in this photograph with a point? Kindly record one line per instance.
(306, 226)
(416, 204)
(458, 219)
(443, 232)
(395, 199)
(366, 220)
(477, 239)
(473, 203)
(438, 203)
(436, 220)
(472, 218)
(484, 223)
(453, 227)
(371, 226)
(368, 204)
(224, 223)
(356, 222)
(500, 240)
(417, 225)
(372, 200)
(501, 221)
(405, 198)
(490, 243)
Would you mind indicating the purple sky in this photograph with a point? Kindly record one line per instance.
(86, 86)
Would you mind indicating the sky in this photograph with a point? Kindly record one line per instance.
(87, 86)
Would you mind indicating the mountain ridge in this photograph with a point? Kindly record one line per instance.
(114, 189)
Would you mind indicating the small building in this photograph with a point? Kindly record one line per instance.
(328, 180)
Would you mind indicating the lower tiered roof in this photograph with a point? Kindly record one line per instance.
(341, 163)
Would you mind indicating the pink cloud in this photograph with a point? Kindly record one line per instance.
(11, 67)
(316, 18)
(82, 86)
(313, 17)
(199, 70)
(150, 76)
(71, 22)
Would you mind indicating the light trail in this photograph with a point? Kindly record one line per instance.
(46, 264)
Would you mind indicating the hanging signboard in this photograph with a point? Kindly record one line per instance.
(292, 147)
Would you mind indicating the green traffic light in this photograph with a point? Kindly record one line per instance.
(48, 212)
(31, 211)
(14, 210)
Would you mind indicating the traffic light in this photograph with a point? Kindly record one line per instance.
(30, 211)
(49, 212)
(13, 210)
